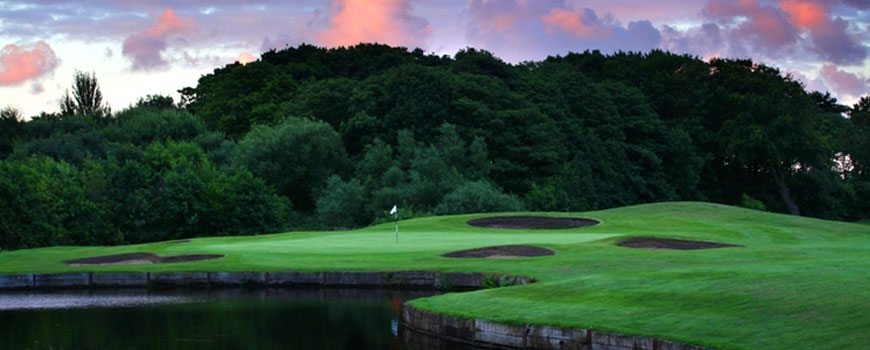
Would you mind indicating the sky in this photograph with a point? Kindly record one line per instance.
(141, 47)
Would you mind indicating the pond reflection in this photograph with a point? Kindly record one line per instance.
(208, 319)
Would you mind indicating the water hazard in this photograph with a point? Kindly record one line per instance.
(208, 319)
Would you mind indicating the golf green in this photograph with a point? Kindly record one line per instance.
(795, 282)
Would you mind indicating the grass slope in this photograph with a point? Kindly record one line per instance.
(798, 283)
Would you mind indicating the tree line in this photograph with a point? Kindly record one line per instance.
(308, 137)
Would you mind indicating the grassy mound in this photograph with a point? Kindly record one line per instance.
(797, 283)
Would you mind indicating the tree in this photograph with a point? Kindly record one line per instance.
(297, 157)
(859, 138)
(343, 204)
(142, 125)
(156, 102)
(10, 126)
(770, 127)
(236, 97)
(86, 99)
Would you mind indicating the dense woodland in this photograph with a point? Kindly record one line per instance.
(314, 138)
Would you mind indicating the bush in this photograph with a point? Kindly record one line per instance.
(477, 197)
(751, 203)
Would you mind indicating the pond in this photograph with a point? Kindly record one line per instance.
(209, 319)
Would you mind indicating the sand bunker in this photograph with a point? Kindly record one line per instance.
(138, 258)
(502, 252)
(532, 222)
(671, 244)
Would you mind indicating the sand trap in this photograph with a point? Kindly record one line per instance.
(138, 259)
(532, 222)
(671, 244)
(501, 252)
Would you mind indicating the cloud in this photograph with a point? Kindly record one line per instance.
(21, 63)
(383, 21)
(245, 58)
(805, 14)
(816, 84)
(707, 41)
(582, 23)
(832, 43)
(145, 48)
(525, 30)
(36, 88)
(788, 28)
(760, 26)
(845, 83)
(829, 35)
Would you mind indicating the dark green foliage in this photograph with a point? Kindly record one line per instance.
(410, 97)
(156, 102)
(342, 204)
(751, 203)
(142, 125)
(858, 139)
(220, 104)
(10, 123)
(341, 135)
(328, 100)
(46, 202)
(769, 128)
(477, 197)
(144, 178)
(296, 157)
(70, 139)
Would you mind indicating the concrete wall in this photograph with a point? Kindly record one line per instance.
(399, 279)
(488, 334)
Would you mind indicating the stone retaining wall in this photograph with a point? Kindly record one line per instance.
(488, 334)
(398, 279)
(478, 332)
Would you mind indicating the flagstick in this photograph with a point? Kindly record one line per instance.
(397, 227)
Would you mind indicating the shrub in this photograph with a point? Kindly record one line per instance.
(751, 203)
(477, 197)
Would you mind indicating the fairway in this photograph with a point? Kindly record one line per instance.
(796, 283)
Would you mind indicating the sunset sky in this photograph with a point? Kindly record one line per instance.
(140, 47)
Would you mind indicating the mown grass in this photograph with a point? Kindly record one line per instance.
(797, 283)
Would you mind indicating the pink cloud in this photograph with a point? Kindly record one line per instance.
(787, 27)
(527, 30)
(245, 58)
(580, 23)
(21, 63)
(382, 21)
(845, 83)
(145, 48)
(805, 14)
(764, 27)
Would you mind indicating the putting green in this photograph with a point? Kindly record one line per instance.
(797, 283)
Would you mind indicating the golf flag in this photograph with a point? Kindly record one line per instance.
(395, 211)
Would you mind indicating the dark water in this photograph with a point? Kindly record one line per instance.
(208, 319)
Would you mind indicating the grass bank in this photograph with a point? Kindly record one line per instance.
(797, 283)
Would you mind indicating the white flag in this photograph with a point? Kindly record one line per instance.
(395, 208)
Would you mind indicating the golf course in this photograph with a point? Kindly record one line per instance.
(787, 282)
